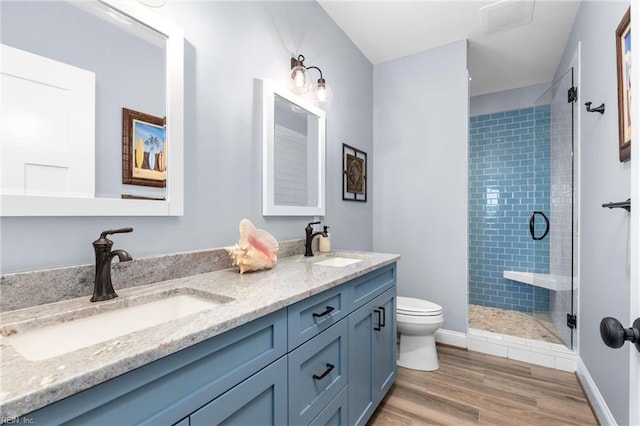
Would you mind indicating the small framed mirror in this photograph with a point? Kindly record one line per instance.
(293, 154)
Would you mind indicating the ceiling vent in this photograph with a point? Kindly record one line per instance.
(505, 14)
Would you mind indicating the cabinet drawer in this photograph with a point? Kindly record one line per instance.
(334, 414)
(315, 314)
(259, 400)
(370, 285)
(317, 373)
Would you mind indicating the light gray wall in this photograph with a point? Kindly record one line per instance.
(420, 184)
(604, 245)
(522, 97)
(228, 46)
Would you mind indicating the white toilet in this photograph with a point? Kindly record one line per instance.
(417, 321)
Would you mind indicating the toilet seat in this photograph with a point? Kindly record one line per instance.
(417, 307)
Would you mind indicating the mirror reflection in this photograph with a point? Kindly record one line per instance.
(67, 137)
(295, 148)
(294, 157)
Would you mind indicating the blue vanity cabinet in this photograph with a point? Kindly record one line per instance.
(357, 318)
(326, 360)
(372, 355)
(170, 389)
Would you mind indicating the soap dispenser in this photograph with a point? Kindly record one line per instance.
(325, 242)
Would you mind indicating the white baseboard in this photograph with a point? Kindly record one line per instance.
(453, 338)
(594, 396)
(532, 351)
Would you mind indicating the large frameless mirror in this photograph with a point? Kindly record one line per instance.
(73, 73)
(293, 181)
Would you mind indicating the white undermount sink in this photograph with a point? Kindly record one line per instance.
(338, 261)
(63, 337)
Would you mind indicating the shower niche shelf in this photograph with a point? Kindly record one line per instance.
(548, 281)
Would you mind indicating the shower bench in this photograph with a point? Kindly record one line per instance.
(548, 281)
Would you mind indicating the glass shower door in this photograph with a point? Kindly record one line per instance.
(552, 225)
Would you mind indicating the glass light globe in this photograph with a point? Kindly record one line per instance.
(323, 93)
(299, 79)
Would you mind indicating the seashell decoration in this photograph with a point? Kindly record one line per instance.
(256, 249)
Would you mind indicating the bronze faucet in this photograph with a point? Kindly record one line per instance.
(310, 236)
(103, 289)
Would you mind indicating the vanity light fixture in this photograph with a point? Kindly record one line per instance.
(300, 81)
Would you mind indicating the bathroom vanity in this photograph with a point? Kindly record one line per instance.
(307, 342)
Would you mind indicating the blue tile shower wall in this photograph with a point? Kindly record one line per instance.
(509, 178)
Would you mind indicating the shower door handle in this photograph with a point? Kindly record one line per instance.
(532, 225)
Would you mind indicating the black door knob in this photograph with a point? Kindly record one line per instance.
(614, 335)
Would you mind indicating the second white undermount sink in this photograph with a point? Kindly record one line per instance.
(64, 337)
(338, 261)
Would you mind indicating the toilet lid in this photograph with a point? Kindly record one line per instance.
(413, 306)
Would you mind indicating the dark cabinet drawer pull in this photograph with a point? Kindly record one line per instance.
(384, 316)
(378, 323)
(330, 368)
(326, 311)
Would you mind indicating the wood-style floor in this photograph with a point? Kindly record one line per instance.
(477, 389)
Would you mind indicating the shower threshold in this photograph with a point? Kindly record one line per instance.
(517, 335)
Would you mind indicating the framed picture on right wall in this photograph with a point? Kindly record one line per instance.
(623, 54)
(354, 174)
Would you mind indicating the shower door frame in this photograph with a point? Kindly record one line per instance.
(563, 273)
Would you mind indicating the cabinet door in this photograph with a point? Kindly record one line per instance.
(384, 340)
(372, 349)
(259, 400)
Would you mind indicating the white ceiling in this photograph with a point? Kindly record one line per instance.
(516, 57)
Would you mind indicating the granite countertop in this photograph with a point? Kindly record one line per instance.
(26, 385)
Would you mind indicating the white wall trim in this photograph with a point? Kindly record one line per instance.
(453, 338)
(634, 232)
(551, 355)
(594, 396)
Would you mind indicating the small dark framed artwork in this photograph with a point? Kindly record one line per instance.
(144, 149)
(354, 174)
(623, 54)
